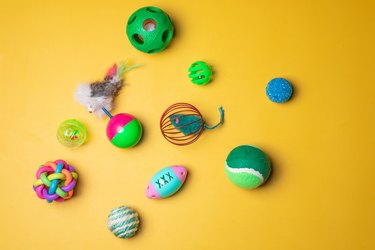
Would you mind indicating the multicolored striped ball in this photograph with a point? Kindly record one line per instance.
(123, 222)
(247, 166)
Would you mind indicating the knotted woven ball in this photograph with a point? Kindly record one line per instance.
(55, 181)
(123, 222)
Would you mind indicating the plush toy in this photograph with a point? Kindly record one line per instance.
(100, 94)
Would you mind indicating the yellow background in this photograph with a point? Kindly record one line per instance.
(321, 192)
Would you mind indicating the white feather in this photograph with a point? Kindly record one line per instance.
(93, 104)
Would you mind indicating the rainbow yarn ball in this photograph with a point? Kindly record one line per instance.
(279, 90)
(55, 181)
(71, 133)
(124, 130)
(123, 222)
(247, 166)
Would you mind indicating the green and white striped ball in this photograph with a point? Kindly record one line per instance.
(247, 166)
(123, 222)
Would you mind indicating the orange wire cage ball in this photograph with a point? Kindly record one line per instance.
(182, 123)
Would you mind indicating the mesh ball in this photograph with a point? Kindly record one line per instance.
(181, 124)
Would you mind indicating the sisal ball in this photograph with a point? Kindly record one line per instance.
(247, 166)
(123, 222)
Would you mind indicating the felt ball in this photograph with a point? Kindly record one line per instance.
(279, 90)
(247, 166)
(123, 222)
(71, 133)
(124, 130)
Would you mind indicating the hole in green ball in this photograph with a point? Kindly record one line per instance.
(165, 36)
(149, 25)
(138, 39)
(132, 19)
(152, 9)
(153, 51)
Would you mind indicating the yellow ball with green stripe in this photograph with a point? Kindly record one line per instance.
(247, 166)
(123, 222)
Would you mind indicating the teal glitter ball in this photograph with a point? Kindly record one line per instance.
(279, 90)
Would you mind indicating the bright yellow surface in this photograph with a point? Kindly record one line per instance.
(321, 192)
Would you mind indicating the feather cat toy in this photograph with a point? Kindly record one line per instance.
(94, 96)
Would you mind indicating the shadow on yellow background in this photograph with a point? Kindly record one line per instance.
(321, 192)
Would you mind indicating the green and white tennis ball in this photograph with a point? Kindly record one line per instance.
(123, 222)
(247, 166)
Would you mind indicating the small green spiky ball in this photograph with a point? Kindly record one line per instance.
(149, 30)
(247, 166)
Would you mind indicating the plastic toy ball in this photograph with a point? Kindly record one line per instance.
(182, 123)
(149, 30)
(123, 130)
(200, 73)
(71, 133)
(279, 90)
(55, 181)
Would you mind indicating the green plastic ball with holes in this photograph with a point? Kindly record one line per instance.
(71, 133)
(149, 30)
(200, 73)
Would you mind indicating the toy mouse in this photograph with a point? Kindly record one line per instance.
(100, 94)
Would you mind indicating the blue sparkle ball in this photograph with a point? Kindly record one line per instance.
(279, 90)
